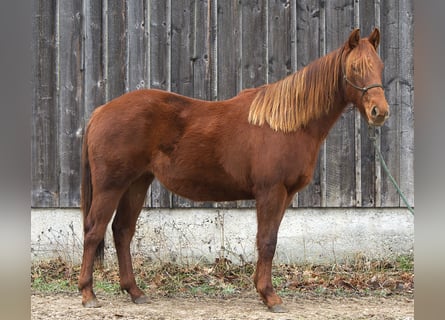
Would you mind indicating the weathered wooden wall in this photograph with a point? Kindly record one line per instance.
(88, 52)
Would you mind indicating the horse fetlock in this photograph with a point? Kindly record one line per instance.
(85, 285)
(268, 295)
(89, 299)
(273, 300)
(137, 295)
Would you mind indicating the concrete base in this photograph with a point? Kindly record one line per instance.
(193, 235)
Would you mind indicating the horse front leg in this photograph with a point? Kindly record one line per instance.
(271, 205)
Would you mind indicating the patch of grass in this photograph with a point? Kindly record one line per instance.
(222, 278)
(52, 286)
(405, 263)
(107, 287)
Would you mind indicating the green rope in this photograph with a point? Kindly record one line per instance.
(385, 167)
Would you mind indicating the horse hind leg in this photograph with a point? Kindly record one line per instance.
(102, 208)
(124, 226)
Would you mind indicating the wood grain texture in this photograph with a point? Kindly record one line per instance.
(44, 146)
(406, 39)
(71, 107)
(390, 132)
(115, 45)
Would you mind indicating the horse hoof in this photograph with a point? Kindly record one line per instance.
(278, 308)
(92, 303)
(141, 300)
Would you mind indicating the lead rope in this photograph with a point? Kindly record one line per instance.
(385, 167)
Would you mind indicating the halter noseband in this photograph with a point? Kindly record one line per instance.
(362, 89)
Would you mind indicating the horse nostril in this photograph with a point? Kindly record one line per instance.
(374, 111)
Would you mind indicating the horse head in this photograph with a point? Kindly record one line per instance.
(362, 74)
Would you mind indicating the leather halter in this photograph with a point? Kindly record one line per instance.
(362, 89)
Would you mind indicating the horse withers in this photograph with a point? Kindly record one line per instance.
(262, 144)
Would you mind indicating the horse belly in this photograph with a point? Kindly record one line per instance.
(198, 191)
(202, 183)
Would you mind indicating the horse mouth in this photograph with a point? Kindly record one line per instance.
(377, 123)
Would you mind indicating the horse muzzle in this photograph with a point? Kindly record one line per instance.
(378, 115)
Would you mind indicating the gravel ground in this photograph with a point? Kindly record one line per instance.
(68, 306)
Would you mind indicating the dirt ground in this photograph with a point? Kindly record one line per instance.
(68, 306)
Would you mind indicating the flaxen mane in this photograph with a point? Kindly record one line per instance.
(294, 101)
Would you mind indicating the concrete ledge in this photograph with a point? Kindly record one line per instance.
(192, 235)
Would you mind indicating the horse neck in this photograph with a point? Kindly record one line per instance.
(320, 127)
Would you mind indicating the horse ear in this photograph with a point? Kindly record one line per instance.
(354, 38)
(374, 38)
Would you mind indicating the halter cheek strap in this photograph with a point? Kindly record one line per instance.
(362, 89)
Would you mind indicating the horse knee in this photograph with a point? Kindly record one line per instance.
(85, 282)
(266, 250)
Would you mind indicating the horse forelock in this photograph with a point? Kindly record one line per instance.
(291, 103)
(359, 61)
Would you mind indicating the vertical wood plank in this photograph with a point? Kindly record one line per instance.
(94, 92)
(213, 55)
(160, 64)
(390, 132)
(202, 49)
(115, 39)
(279, 40)
(406, 41)
(229, 49)
(137, 45)
(340, 145)
(70, 100)
(160, 44)
(44, 144)
(368, 21)
(182, 47)
(254, 55)
(308, 49)
(367, 17)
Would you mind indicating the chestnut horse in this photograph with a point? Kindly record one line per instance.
(262, 144)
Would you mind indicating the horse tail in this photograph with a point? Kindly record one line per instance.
(86, 195)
